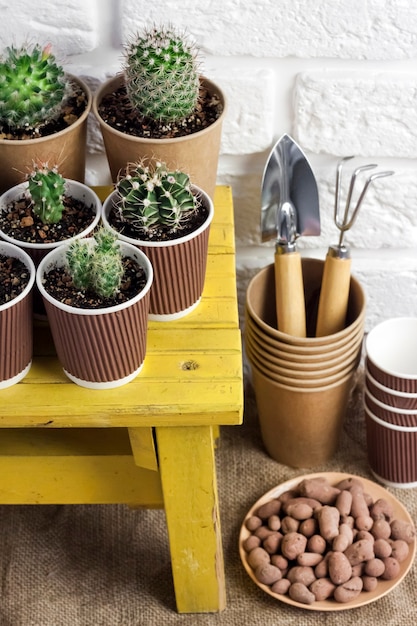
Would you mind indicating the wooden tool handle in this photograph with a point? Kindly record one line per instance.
(289, 291)
(334, 296)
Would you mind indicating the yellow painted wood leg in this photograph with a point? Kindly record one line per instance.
(143, 448)
(189, 486)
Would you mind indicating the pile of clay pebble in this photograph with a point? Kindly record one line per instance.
(326, 542)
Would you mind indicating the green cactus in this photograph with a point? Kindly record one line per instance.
(32, 86)
(106, 267)
(46, 189)
(162, 74)
(152, 196)
(79, 259)
(99, 268)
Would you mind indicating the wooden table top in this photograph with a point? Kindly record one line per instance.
(192, 373)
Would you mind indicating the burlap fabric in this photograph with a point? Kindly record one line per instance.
(109, 565)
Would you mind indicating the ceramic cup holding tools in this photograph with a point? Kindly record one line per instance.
(302, 384)
(390, 401)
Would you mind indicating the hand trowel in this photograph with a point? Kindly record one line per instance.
(290, 208)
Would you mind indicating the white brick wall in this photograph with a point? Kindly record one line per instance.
(361, 112)
(71, 26)
(338, 75)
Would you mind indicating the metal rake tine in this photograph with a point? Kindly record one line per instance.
(358, 170)
(338, 185)
(365, 189)
(370, 179)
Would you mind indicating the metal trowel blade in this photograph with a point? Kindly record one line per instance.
(288, 173)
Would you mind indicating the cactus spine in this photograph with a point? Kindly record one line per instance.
(98, 268)
(32, 86)
(46, 189)
(151, 196)
(162, 74)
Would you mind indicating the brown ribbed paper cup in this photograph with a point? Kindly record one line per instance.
(387, 413)
(179, 265)
(16, 329)
(392, 451)
(100, 348)
(37, 251)
(75, 189)
(391, 397)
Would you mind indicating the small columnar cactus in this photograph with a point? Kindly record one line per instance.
(46, 189)
(162, 74)
(153, 196)
(98, 268)
(32, 86)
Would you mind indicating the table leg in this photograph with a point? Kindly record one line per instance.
(143, 448)
(189, 485)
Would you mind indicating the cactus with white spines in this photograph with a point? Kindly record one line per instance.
(152, 196)
(46, 189)
(98, 268)
(162, 74)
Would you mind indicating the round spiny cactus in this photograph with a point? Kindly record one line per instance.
(154, 196)
(99, 267)
(162, 74)
(46, 189)
(32, 86)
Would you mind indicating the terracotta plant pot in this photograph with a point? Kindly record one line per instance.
(197, 154)
(16, 328)
(179, 265)
(98, 348)
(67, 148)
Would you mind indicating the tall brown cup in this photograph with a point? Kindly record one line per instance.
(301, 411)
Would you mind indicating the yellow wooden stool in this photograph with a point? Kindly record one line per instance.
(63, 444)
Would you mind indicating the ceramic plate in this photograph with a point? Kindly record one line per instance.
(365, 597)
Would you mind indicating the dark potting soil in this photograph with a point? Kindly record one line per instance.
(158, 232)
(14, 276)
(59, 284)
(72, 109)
(117, 112)
(18, 221)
